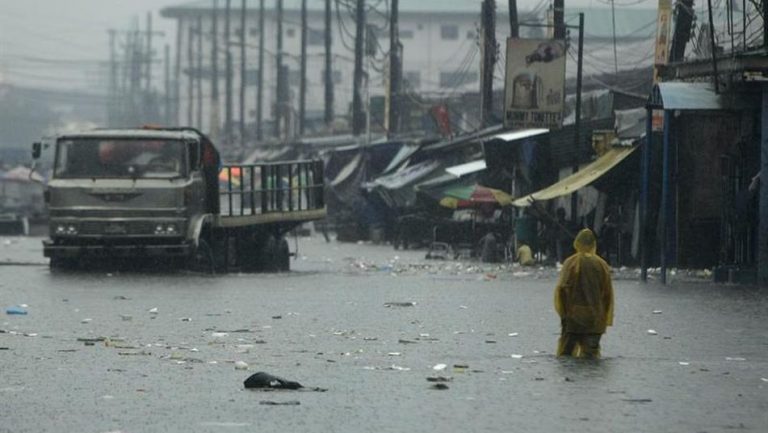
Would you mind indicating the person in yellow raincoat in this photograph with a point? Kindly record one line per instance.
(584, 299)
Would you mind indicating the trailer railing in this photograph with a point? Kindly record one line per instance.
(255, 189)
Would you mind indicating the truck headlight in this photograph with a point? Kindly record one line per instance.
(66, 229)
(166, 229)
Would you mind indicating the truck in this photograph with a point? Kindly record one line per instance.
(163, 194)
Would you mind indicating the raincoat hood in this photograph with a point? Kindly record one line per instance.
(585, 242)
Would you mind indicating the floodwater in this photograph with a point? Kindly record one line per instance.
(128, 352)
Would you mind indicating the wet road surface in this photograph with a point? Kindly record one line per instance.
(129, 352)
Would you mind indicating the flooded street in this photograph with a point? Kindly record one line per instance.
(130, 352)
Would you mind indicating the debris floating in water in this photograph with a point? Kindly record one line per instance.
(652, 332)
(439, 367)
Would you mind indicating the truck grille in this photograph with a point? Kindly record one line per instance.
(117, 228)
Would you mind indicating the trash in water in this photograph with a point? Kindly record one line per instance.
(398, 368)
(186, 319)
(394, 354)
(490, 341)
(126, 318)
(460, 368)
(684, 363)
(439, 367)
(18, 310)
(728, 358)
(440, 386)
(637, 400)
(513, 334)
(241, 365)
(219, 334)
(153, 310)
(266, 380)
(399, 304)
(121, 298)
(652, 332)
(280, 403)
(656, 311)
(403, 341)
(277, 317)
(764, 379)
(516, 356)
(86, 320)
(439, 379)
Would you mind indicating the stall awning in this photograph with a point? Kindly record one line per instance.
(579, 179)
(464, 169)
(685, 96)
(519, 135)
(405, 176)
(347, 170)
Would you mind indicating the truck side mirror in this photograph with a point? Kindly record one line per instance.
(37, 149)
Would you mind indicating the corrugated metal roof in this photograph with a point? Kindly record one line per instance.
(685, 96)
(158, 134)
(519, 135)
(464, 169)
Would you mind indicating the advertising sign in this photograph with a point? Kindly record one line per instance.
(534, 86)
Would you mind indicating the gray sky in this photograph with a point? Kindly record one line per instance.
(40, 38)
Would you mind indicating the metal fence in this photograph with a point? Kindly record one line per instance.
(255, 189)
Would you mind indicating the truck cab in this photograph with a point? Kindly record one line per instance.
(129, 192)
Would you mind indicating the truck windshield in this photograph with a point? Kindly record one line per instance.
(120, 158)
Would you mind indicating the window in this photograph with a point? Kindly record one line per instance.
(406, 34)
(294, 77)
(315, 37)
(412, 79)
(449, 32)
(336, 76)
(458, 78)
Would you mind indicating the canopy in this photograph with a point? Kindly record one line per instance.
(467, 196)
(463, 169)
(579, 179)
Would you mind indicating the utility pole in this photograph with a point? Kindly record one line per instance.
(177, 75)
(328, 68)
(357, 81)
(243, 73)
(215, 105)
(303, 70)
(190, 76)
(279, 66)
(559, 19)
(577, 122)
(111, 109)
(615, 55)
(488, 60)
(167, 64)
(228, 77)
(260, 84)
(199, 72)
(148, 55)
(395, 70)
(514, 27)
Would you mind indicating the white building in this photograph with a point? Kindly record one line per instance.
(441, 54)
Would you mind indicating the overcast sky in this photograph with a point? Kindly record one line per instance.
(38, 38)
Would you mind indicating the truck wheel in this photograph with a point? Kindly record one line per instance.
(268, 260)
(202, 259)
(283, 256)
(62, 263)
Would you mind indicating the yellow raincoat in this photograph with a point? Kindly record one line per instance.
(584, 295)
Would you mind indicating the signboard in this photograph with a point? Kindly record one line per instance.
(534, 86)
(661, 57)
